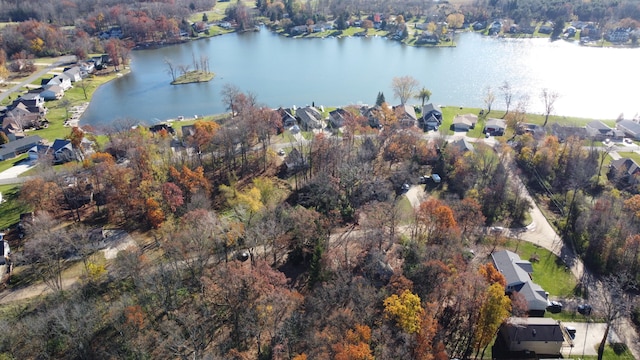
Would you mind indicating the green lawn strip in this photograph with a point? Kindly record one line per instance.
(7, 164)
(631, 155)
(405, 210)
(609, 354)
(10, 209)
(548, 272)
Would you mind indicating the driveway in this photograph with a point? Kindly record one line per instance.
(588, 338)
(17, 169)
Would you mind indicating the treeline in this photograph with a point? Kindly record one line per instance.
(317, 262)
(592, 213)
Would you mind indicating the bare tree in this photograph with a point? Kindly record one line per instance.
(404, 87)
(171, 69)
(507, 94)
(548, 99)
(615, 302)
(46, 249)
(489, 98)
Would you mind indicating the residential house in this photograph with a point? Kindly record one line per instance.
(431, 117)
(310, 118)
(598, 130)
(288, 120)
(33, 102)
(61, 80)
(495, 127)
(61, 151)
(374, 115)
(624, 171)
(160, 127)
(540, 336)
(619, 35)
(337, 118)
(428, 38)
(565, 132)
(462, 145)
(188, 131)
(517, 273)
(294, 161)
(52, 92)
(630, 128)
(19, 118)
(19, 146)
(534, 129)
(86, 67)
(74, 74)
(464, 122)
(299, 30)
(406, 115)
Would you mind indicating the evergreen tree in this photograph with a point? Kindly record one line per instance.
(380, 99)
(205, 18)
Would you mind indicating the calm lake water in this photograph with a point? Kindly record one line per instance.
(592, 82)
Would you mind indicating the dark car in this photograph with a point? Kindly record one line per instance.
(554, 307)
(584, 309)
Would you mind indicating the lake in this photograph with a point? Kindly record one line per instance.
(592, 82)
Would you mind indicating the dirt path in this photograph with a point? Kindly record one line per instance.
(25, 293)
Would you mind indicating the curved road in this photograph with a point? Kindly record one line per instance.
(59, 61)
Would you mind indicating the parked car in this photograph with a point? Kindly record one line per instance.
(554, 307)
(571, 331)
(281, 152)
(584, 309)
(628, 141)
(496, 229)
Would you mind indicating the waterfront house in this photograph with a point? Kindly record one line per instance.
(74, 74)
(406, 115)
(288, 120)
(61, 80)
(431, 117)
(495, 127)
(464, 122)
(310, 118)
(630, 128)
(337, 118)
(52, 92)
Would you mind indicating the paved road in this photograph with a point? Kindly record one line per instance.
(62, 60)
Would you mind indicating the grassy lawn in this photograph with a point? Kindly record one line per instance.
(4, 165)
(405, 210)
(609, 353)
(549, 272)
(11, 208)
(631, 155)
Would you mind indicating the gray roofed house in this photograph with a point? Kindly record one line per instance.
(517, 273)
(337, 117)
(19, 146)
(62, 80)
(542, 336)
(310, 117)
(52, 92)
(288, 120)
(495, 127)
(464, 122)
(630, 128)
(406, 115)
(74, 73)
(462, 145)
(624, 170)
(598, 130)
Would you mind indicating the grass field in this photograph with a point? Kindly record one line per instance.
(10, 209)
(549, 272)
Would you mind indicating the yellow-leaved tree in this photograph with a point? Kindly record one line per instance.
(405, 309)
(494, 311)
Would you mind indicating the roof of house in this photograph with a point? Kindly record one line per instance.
(496, 123)
(309, 115)
(514, 269)
(74, 71)
(30, 96)
(59, 144)
(627, 165)
(629, 125)
(467, 119)
(53, 88)
(430, 107)
(598, 125)
(462, 144)
(535, 295)
(15, 145)
(407, 110)
(533, 329)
